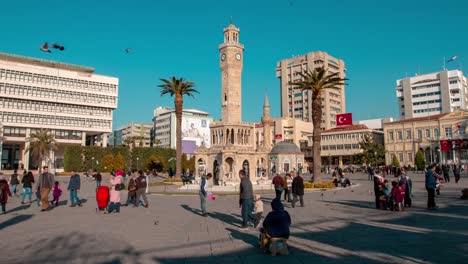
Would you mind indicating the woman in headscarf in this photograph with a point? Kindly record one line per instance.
(276, 223)
(115, 182)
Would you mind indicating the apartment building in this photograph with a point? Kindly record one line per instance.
(71, 101)
(297, 104)
(133, 135)
(431, 94)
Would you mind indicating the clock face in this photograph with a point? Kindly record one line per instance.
(223, 56)
(238, 56)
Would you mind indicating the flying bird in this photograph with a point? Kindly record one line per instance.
(127, 50)
(453, 58)
(57, 46)
(45, 47)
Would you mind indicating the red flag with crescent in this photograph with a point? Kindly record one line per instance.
(344, 119)
(445, 145)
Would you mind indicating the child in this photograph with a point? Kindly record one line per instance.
(396, 196)
(385, 199)
(258, 207)
(38, 196)
(57, 192)
(402, 188)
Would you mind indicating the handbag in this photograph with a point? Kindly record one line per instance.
(119, 187)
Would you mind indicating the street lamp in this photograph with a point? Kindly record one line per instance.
(92, 163)
(138, 163)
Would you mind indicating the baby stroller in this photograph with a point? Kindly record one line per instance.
(102, 198)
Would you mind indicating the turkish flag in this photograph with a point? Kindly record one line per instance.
(344, 119)
(278, 136)
(445, 145)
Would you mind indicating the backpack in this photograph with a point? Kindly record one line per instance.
(119, 187)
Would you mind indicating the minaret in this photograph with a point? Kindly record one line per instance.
(266, 121)
(231, 60)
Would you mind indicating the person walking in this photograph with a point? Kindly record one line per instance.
(378, 185)
(456, 172)
(98, 179)
(56, 193)
(116, 186)
(45, 183)
(141, 189)
(4, 193)
(297, 189)
(14, 181)
(27, 181)
(287, 186)
(204, 192)
(246, 201)
(430, 183)
(131, 195)
(407, 184)
(278, 182)
(74, 186)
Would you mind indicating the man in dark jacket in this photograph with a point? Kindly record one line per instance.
(45, 184)
(297, 190)
(14, 181)
(431, 187)
(246, 201)
(73, 187)
(141, 189)
(27, 181)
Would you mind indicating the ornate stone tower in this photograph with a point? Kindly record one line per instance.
(231, 59)
(266, 121)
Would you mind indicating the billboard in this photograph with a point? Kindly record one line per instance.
(195, 129)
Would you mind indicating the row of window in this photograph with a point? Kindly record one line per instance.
(340, 147)
(54, 120)
(409, 156)
(425, 86)
(53, 107)
(55, 80)
(343, 136)
(54, 94)
(59, 134)
(428, 102)
(419, 133)
(435, 109)
(424, 94)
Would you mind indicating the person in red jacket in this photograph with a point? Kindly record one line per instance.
(4, 193)
(396, 196)
(279, 185)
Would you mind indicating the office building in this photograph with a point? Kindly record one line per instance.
(133, 135)
(195, 128)
(71, 101)
(431, 94)
(298, 104)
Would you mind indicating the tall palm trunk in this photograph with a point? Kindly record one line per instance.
(178, 102)
(317, 122)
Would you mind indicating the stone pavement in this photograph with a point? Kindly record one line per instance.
(340, 226)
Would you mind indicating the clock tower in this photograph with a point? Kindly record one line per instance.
(231, 59)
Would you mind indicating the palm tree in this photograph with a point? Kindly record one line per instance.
(317, 81)
(178, 87)
(41, 143)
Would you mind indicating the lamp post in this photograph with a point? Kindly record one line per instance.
(138, 163)
(92, 163)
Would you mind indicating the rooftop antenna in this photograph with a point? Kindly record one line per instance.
(444, 64)
(230, 21)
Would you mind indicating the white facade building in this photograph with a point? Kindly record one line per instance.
(376, 124)
(71, 101)
(431, 94)
(133, 134)
(195, 127)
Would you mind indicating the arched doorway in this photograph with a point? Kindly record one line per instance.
(215, 172)
(229, 165)
(246, 168)
(261, 167)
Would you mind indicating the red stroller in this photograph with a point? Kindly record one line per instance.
(102, 197)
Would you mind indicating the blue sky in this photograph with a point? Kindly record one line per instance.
(380, 41)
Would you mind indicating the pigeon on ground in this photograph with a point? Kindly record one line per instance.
(45, 47)
(57, 46)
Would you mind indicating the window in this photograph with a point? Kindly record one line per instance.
(400, 155)
(428, 133)
(410, 156)
(400, 135)
(448, 132)
(408, 134)
(419, 134)
(436, 133)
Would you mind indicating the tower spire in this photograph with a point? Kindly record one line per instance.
(230, 21)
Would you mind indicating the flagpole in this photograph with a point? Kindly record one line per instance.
(444, 64)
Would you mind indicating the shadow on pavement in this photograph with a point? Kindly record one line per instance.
(190, 209)
(15, 220)
(19, 208)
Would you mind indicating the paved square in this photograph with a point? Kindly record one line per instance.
(339, 227)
